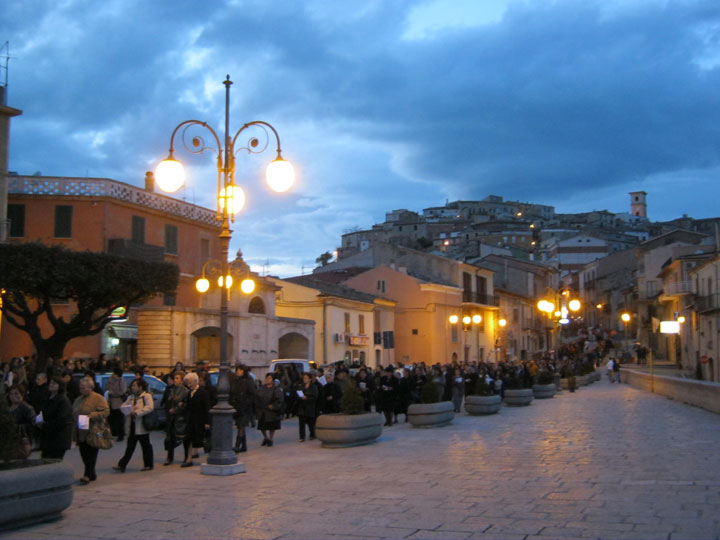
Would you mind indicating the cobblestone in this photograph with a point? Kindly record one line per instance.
(608, 461)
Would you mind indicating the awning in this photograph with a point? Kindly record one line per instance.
(128, 332)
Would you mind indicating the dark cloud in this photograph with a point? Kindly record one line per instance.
(546, 103)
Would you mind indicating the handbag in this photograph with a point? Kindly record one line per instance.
(150, 420)
(24, 447)
(99, 435)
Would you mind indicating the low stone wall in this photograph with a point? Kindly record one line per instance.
(705, 395)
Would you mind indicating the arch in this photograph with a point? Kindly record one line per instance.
(207, 344)
(293, 345)
(257, 305)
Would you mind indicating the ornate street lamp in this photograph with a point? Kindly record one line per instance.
(170, 176)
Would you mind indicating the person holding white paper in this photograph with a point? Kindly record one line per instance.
(92, 405)
(308, 395)
(142, 404)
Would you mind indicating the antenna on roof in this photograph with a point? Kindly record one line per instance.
(4, 72)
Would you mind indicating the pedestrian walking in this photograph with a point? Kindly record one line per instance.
(242, 399)
(307, 394)
(176, 414)
(92, 405)
(609, 367)
(136, 406)
(198, 417)
(117, 393)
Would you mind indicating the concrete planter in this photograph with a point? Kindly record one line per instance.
(556, 382)
(476, 405)
(344, 430)
(428, 415)
(544, 391)
(35, 492)
(582, 380)
(518, 398)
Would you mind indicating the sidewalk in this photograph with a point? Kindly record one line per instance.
(608, 461)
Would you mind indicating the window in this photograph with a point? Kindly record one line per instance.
(361, 324)
(347, 323)
(63, 221)
(454, 333)
(381, 285)
(138, 229)
(16, 215)
(204, 249)
(414, 331)
(171, 235)
(256, 305)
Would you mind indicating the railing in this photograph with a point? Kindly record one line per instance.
(677, 288)
(135, 250)
(103, 187)
(479, 298)
(710, 302)
(536, 325)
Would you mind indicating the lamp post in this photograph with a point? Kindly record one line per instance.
(230, 199)
(468, 322)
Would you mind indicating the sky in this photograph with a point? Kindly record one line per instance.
(379, 105)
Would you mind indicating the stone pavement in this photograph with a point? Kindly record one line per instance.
(608, 461)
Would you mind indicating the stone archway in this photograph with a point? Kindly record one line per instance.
(207, 344)
(293, 345)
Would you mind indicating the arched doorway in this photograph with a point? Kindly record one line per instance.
(294, 345)
(207, 345)
(256, 306)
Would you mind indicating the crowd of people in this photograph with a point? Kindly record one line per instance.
(51, 409)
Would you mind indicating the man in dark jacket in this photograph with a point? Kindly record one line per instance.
(386, 394)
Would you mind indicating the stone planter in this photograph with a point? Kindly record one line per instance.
(428, 415)
(34, 491)
(344, 430)
(476, 405)
(582, 380)
(518, 398)
(543, 391)
(557, 383)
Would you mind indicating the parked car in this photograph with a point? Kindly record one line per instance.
(302, 365)
(156, 387)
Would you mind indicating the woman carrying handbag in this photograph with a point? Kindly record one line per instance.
(89, 407)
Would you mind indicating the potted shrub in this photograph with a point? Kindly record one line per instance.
(31, 490)
(351, 427)
(430, 412)
(518, 393)
(483, 400)
(544, 389)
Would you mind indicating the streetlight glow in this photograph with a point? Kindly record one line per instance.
(502, 323)
(247, 285)
(625, 317)
(202, 285)
(467, 319)
(453, 319)
(170, 175)
(235, 197)
(574, 305)
(477, 319)
(280, 175)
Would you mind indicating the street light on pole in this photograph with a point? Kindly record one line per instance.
(170, 176)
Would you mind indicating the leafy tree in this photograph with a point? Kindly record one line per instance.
(325, 258)
(351, 401)
(34, 278)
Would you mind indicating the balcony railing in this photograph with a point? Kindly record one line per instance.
(707, 303)
(677, 288)
(134, 250)
(473, 297)
(103, 187)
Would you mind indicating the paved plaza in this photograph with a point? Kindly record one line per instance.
(606, 462)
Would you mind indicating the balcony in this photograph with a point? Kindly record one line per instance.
(472, 297)
(677, 288)
(705, 304)
(134, 250)
(533, 325)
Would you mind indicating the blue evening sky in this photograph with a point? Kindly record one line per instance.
(379, 104)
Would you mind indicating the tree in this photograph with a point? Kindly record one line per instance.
(36, 280)
(325, 258)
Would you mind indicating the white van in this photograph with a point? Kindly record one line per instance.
(302, 365)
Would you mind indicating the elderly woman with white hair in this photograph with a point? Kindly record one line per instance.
(94, 406)
(198, 416)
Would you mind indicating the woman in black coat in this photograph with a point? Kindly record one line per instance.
(198, 416)
(306, 406)
(57, 422)
(242, 399)
(269, 402)
(386, 394)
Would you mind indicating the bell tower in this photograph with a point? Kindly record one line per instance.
(638, 203)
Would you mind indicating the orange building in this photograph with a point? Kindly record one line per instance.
(103, 215)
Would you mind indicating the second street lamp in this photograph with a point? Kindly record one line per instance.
(170, 176)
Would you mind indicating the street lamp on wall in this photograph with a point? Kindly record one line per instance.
(170, 176)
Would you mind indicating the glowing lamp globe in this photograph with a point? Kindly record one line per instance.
(574, 305)
(228, 282)
(235, 198)
(625, 317)
(170, 175)
(477, 319)
(453, 319)
(247, 285)
(202, 285)
(466, 319)
(502, 323)
(280, 175)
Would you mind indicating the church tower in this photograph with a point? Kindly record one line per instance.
(638, 203)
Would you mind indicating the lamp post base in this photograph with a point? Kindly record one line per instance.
(222, 470)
